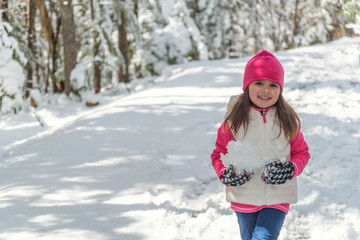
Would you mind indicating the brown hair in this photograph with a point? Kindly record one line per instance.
(239, 115)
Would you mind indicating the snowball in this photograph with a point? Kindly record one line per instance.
(242, 156)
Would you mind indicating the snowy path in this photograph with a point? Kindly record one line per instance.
(138, 166)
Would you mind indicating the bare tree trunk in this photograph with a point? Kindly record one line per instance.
(49, 35)
(58, 85)
(337, 32)
(97, 69)
(136, 8)
(31, 38)
(124, 48)
(257, 27)
(5, 12)
(46, 23)
(52, 38)
(193, 6)
(69, 42)
(296, 21)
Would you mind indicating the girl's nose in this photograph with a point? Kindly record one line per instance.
(266, 89)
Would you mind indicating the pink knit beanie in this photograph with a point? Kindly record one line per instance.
(263, 66)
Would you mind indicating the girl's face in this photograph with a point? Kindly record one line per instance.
(264, 94)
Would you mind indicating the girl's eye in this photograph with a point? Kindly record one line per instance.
(274, 85)
(258, 83)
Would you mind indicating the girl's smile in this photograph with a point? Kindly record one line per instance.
(264, 94)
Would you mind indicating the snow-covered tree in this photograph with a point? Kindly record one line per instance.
(213, 17)
(351, 9)
(169, 36)
(315, 21)
(279, 24)
(105, 31)
(12, 76)
(121, 40)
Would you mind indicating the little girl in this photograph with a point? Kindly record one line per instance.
(262, 119)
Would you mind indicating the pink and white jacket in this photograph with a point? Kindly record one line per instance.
(262, 134)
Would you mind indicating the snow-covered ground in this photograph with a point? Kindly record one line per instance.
(137, 167)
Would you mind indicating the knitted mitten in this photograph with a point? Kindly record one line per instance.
(231, 178)
(278, 172)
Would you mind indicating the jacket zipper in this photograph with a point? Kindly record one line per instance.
(263, 114)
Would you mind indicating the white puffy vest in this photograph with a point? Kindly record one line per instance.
(269, 146)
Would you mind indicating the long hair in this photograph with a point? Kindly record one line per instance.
(239, 116)
(288, 119)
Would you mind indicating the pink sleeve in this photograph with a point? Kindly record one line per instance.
(299, 153)
(223, 137)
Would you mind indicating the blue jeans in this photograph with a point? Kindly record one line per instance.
(262, 225)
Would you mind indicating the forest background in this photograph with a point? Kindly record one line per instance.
(83, 48)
